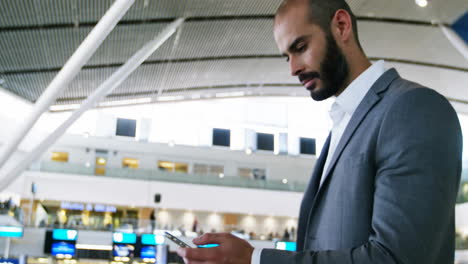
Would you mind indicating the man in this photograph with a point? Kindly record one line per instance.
(384, 187)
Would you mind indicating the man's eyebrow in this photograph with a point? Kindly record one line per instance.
(291, 47)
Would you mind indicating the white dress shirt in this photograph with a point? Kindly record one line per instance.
(341, 112)
(346, 103)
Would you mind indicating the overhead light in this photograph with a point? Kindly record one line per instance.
(230, 94)
(221, 175)
(144, 100)
(285, 181)
(170, 98)
(248, 151)
(88, 164)
(171, 143)
(64, 107)
(421, 3)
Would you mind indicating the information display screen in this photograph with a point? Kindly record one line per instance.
(148, 252)
(63, 248)
(123, 250)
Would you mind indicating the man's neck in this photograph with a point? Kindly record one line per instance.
(357, 65)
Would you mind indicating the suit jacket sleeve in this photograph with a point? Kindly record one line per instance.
(418, 166)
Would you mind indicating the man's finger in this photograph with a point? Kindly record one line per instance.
(202, 254)
(211, 238)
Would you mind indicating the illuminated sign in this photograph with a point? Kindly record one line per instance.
(64, 234)
(11, 231)
(123, 250)
(148, 252)
(284, 245)
(88, 207)
(124, 238)
(152, 240)
(72, 206)
(9, 261)
(63, 249)
(104, 208)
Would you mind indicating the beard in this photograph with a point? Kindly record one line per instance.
(334, 71)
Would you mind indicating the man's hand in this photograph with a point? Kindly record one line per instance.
(231, 249)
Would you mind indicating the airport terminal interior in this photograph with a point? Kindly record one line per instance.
(125, 119)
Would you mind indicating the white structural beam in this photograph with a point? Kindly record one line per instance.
(106, 87)
(455, 40)
(67, 73)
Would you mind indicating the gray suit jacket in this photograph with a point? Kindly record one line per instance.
(390, 190)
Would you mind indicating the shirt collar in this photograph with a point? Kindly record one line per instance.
(352, 96)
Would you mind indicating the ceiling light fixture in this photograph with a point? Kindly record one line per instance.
(422, 3)
(169, 98)
(248, 151)
(64, 107)
(144, 100)
(230, 94)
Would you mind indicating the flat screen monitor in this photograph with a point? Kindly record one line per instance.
(63, 248)
(123, 250)
(307, 146)
(221, 137)
(286, 245)
(64, 234)
(125, 127)
(148, 252)
(124, 238)
(265, 141)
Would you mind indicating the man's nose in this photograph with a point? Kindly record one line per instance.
(295, 66)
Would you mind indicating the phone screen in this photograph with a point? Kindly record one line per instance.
(208, 246)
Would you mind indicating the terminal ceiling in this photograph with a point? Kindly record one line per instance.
(225, 48)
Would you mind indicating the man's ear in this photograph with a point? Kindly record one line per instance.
(342, 26)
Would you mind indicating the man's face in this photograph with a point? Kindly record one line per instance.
(313, 54)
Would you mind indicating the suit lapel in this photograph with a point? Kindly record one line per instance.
(310, 193)
(367, 103)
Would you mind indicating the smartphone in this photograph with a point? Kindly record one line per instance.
(177, 241)
(181, 243)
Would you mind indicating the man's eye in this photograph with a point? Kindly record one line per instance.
(301, 48)
(287, 59)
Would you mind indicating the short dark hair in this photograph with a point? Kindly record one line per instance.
(321, 12)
